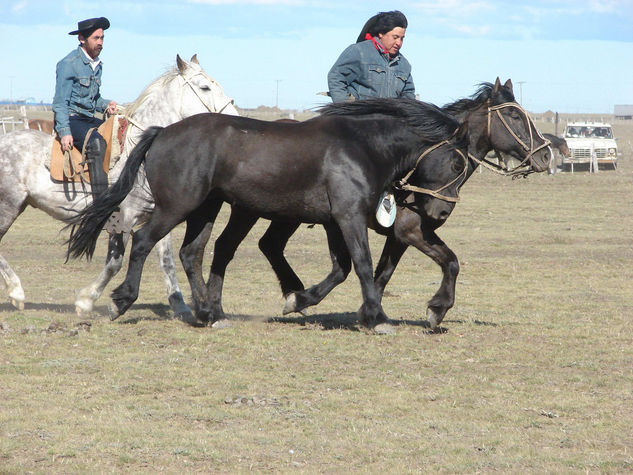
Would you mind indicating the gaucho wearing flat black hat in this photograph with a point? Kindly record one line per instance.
(91, 24)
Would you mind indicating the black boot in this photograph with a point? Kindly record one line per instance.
(95, 153)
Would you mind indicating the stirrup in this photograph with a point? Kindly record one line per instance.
(386, 210)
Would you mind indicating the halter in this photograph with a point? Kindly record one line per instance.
(531, 150)
(186, 81)
(402, 184)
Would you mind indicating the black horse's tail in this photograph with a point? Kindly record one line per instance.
(88, 223)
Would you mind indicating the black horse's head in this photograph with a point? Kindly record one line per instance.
(512, 132)
(437, 177)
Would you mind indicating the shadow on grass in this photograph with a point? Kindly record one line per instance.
(50, 307)
(347, 321)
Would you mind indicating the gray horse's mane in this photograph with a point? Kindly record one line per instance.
(158, 83)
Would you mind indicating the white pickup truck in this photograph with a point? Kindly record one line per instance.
(590, 143)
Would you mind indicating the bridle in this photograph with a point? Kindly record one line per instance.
(186, 80)
(494, 111)
(403, 184)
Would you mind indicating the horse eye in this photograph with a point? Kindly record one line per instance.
(458, 165)
(204, 87)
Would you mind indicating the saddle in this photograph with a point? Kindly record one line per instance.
(71, 167)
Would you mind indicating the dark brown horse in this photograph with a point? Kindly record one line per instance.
(329, 170)
(43, 125)
(559, 144)
(495, 122)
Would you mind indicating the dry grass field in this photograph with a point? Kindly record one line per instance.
(532, 371)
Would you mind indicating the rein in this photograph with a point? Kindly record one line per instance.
(402, 184)
(531, 150)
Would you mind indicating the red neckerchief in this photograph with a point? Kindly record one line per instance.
(381, 49)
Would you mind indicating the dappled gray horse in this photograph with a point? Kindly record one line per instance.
(25, 179)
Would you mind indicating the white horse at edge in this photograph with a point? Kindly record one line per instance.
(25, 179)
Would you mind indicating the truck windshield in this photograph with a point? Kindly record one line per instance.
(593, 132)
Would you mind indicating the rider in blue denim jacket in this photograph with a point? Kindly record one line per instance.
(77, 98)
(373, 66)
(76, 90)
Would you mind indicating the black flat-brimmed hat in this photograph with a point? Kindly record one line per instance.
(91, 24)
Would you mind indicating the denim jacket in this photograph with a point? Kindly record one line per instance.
(363, 72)
(76, 90)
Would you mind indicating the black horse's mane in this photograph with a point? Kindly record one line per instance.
(483, 93)
(426, 119)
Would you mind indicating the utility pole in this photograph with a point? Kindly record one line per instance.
(11, 78)
(277, 96)
(521, 83)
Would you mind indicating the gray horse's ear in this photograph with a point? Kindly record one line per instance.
(182, 65)
(194, 59)
(508, 84)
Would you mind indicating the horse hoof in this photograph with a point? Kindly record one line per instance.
(291, 304)
(188, 318)
(432, 318)
(220, 324)
(83, 308)
(385, 329)
(19, 304)
(113, 310)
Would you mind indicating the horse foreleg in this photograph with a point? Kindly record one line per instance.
(444, 298)
(14, 286)
(143, 241)
(86, 297)
(191, 255)
(272, 245)
(426, 240)
(371, 313)
(392, 252)
(341, 266)
(240, 223)
(166, 263)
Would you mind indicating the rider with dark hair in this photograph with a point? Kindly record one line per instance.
(77, 99)
(374, 66)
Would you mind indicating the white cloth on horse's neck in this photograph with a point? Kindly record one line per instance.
(93, 62)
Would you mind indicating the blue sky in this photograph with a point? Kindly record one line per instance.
(562, 55)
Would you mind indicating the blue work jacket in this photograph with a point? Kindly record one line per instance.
(363, 72)
(76, 90)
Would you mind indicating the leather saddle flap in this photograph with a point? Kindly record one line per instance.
(75, 171)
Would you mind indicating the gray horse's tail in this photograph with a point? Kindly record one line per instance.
(88, 223)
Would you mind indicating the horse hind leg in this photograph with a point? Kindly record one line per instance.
(166, 263)
(86, 297)
(9, 211)
(143, 241)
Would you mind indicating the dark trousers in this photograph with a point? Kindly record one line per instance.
(95, 150)
(79, 126)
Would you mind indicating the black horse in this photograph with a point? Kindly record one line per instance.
(329, 170)
(495, 122)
